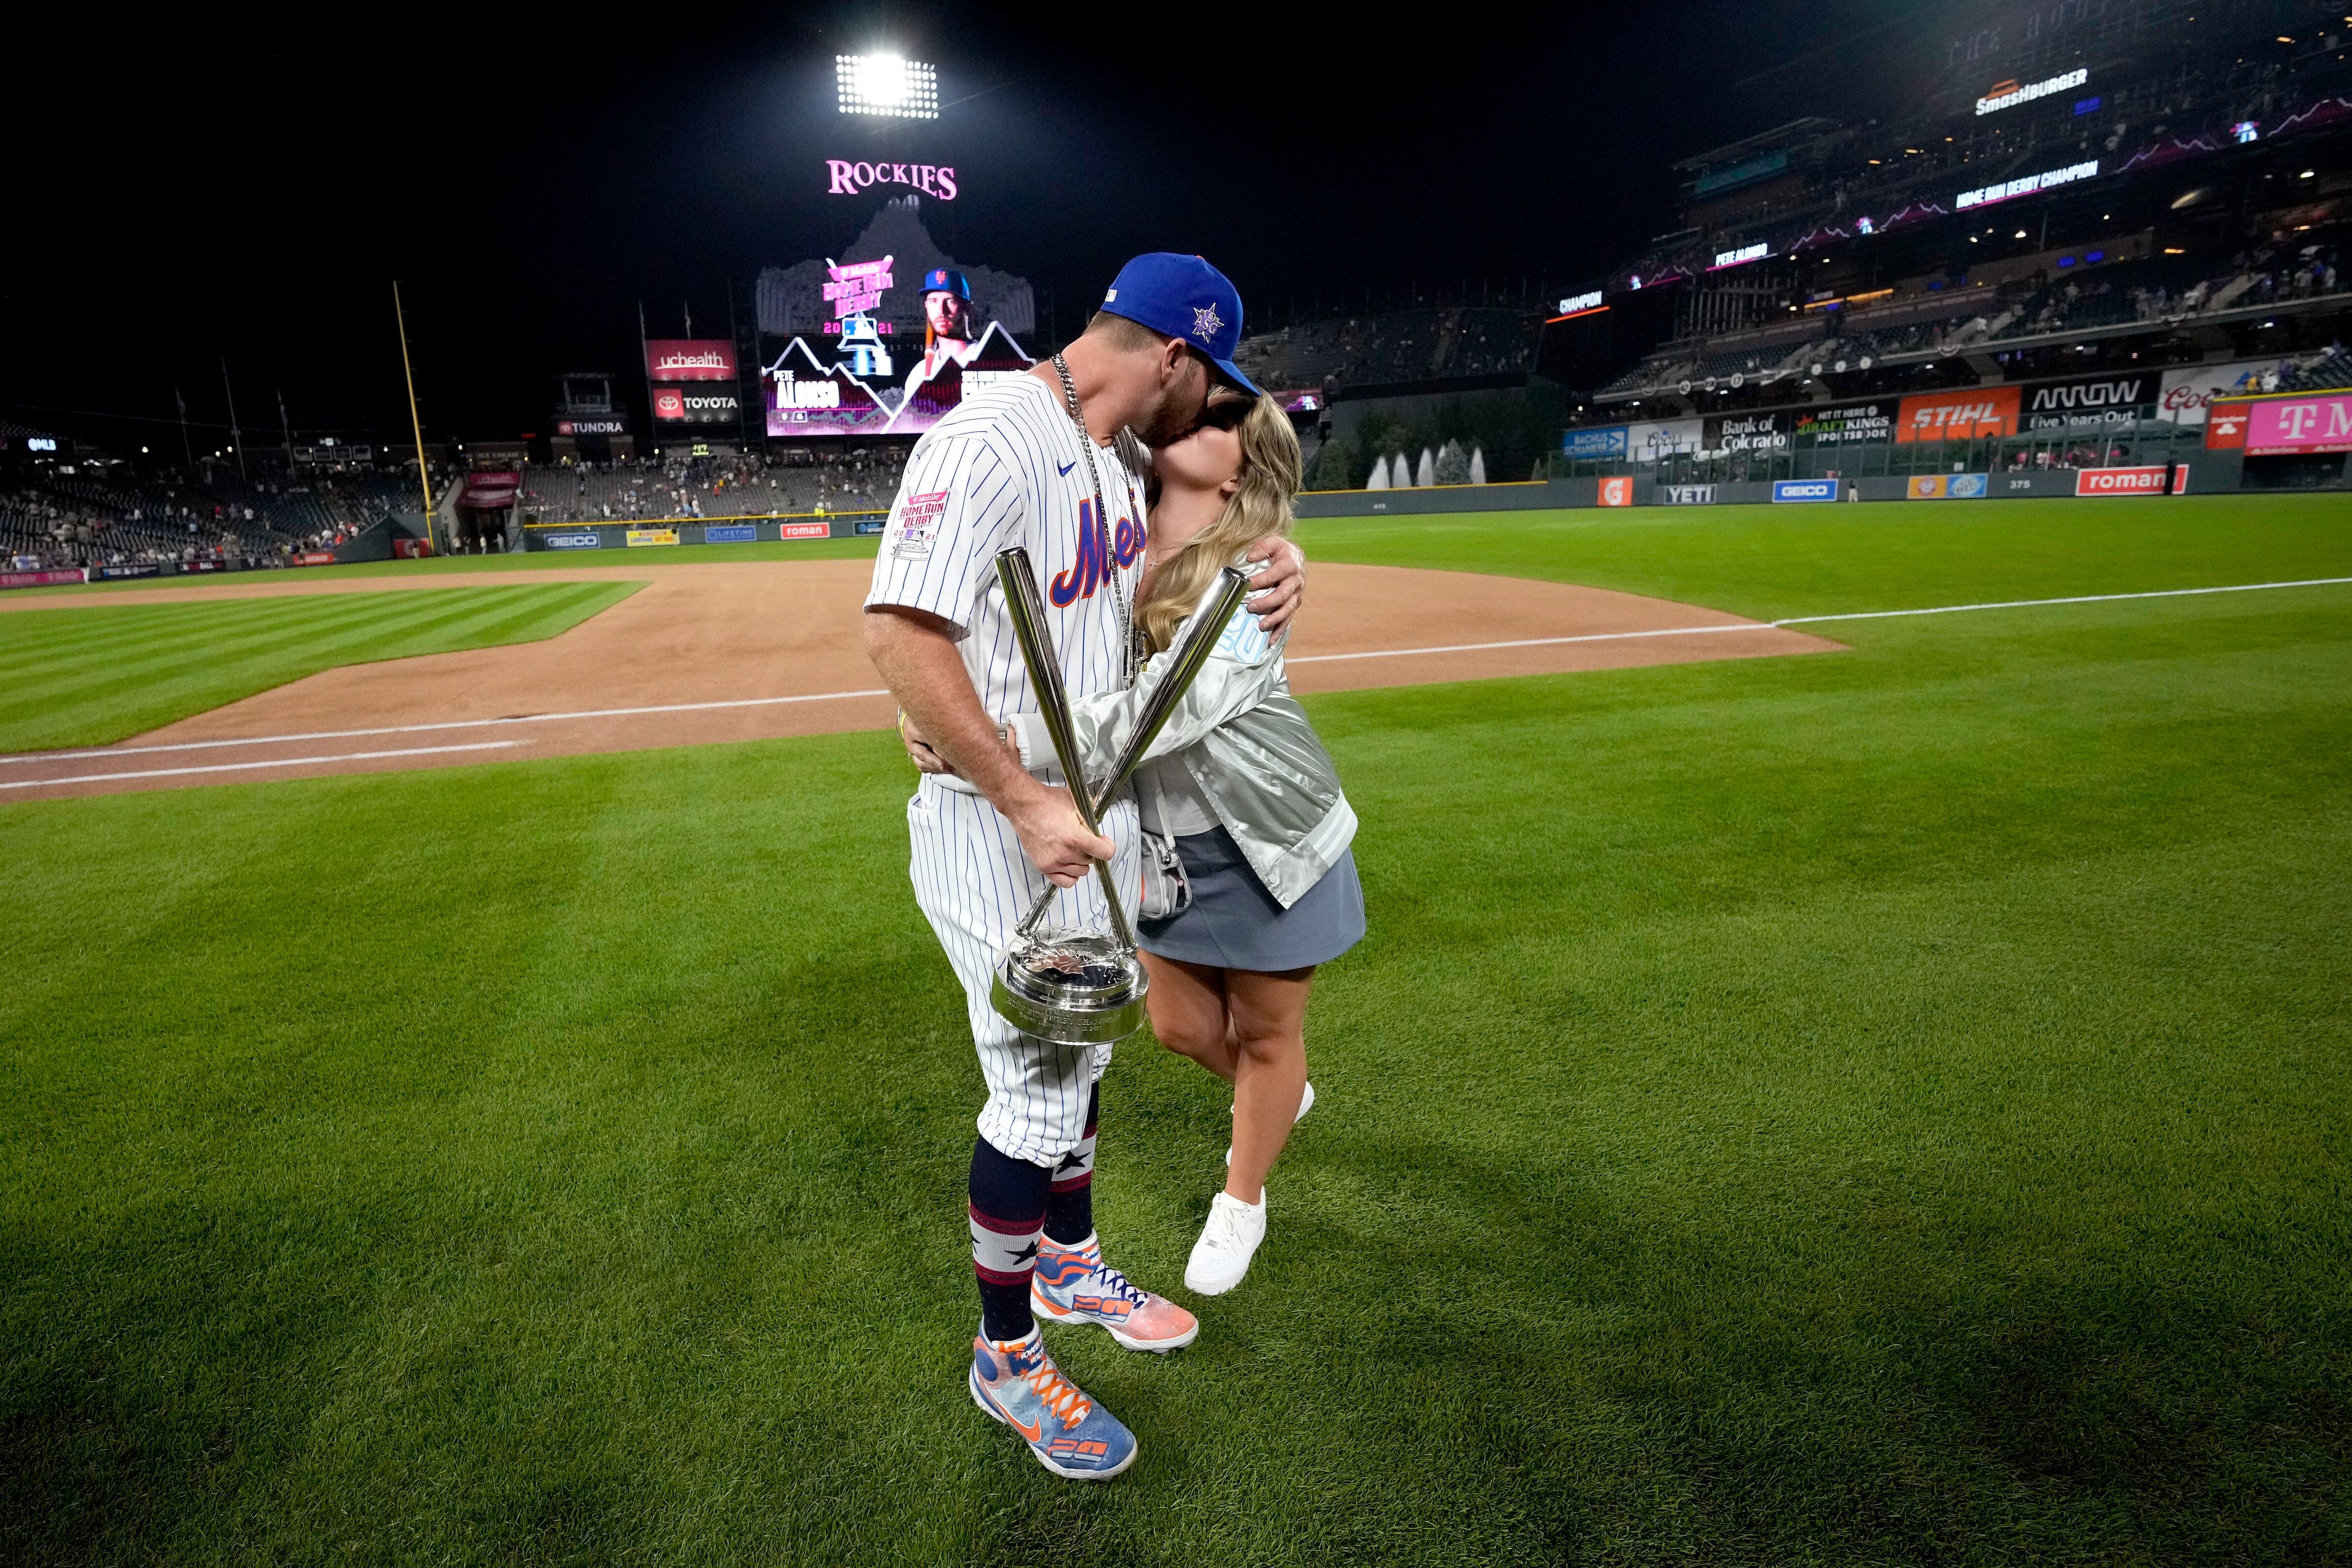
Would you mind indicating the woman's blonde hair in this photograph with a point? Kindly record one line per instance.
(1269, 478)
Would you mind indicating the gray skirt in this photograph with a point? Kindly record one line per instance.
(1232, 922)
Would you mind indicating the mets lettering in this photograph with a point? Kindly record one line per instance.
(1096, 554)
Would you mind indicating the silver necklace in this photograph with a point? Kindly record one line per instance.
(1126, 631)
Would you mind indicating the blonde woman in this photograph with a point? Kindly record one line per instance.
(1239, 793)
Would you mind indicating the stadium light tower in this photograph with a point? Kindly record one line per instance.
(886, 85)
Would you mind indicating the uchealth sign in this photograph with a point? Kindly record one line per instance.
(2142, 481)
(1957, 415)
(846, 178)
(2279, 426)
(690, 359)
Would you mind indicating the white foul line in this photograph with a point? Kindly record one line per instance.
(1808, 620)
(450, 724)
(271, 762)
(2077, 599)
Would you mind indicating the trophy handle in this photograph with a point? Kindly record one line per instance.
(1192, 655)
(1025, 606)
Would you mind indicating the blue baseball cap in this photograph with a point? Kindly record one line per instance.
(947, 281)
(1184, 297)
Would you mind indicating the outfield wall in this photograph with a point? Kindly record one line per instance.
(664, 532)
(2209, 473)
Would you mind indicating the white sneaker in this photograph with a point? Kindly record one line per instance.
(1305, 1104)
(1227, 1243)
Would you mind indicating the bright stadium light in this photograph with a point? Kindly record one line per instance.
(886, 85)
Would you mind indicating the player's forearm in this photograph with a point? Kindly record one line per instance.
(927, 675)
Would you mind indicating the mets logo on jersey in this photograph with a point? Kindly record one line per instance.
(1099, 555)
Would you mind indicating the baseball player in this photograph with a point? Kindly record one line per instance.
(947, 325)
(1053, 461)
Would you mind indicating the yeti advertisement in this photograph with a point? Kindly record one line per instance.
(889, 339)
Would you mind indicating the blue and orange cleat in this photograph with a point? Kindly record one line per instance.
(1018, 1384)
(1072, 1285)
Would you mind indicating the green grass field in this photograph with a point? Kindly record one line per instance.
(84, 677)
(1887, 1106)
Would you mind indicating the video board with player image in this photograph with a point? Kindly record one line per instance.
(862, 376)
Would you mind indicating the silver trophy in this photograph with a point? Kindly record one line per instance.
(1084, 988)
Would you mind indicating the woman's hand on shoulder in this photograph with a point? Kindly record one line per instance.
(1279, 587)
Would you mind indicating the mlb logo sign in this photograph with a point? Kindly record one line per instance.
(1617, 492)
(2147, 482)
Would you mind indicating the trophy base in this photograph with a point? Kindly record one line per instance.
(1076, 988)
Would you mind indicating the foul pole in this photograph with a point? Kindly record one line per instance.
(416, 427)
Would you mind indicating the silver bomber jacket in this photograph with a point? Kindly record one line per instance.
(1247, 743)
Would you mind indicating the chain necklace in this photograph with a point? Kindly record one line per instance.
(1127, 631)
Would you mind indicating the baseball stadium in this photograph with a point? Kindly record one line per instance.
(1830, 1035)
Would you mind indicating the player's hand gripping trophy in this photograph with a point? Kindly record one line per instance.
(1084, 987)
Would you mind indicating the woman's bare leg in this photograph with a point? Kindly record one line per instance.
(1187, 1004)
(1269, 1016)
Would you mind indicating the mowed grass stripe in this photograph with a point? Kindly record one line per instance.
(1768, 562)
(102, 675)
(164, 635)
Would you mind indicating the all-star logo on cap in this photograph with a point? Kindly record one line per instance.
(1206, 324)
(1184, 297)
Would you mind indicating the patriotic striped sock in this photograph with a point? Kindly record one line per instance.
(1008, 1213)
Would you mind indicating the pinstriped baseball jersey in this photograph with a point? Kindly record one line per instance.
(1010, 467)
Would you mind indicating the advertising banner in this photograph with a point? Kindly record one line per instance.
(589, 539)
(2284, 425)
(133, 569)
(613, 426)
(1606, 442)
(43, 579)
(314, 558)
(1732, 434)
(2145, 481)
(689, 359)
(729, 533)
(1648, 443)
(686, 406)
(2093, 404)
(1618, 491)
(1855, 422)
(1804, 489)
(1686, 495)
(2185, 394)
(804, 530)
(1945, 486)
(1957, 415)
(2225, 425)
(638, 537)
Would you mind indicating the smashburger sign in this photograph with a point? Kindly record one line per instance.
(694, 405)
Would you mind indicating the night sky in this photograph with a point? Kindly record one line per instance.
(192, 186)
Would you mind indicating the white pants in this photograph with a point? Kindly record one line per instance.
(973, 884)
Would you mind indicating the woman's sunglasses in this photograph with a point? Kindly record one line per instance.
(1226, 413)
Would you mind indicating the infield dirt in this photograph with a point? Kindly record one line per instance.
(755, 650)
